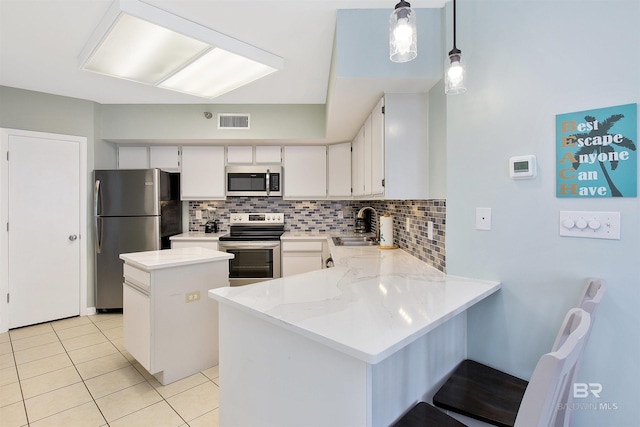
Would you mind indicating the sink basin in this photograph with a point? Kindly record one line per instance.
(354, 241)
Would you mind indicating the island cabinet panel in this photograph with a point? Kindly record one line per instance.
(297, 382)
(312, 377)
(171, 327)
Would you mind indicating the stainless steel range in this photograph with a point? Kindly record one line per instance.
(254, 239)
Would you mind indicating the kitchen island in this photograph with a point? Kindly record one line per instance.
(353, 345)
(167, 326)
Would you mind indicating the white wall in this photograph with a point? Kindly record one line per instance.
(527, 62)
(35, 111)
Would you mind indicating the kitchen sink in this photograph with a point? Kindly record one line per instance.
(354, 241)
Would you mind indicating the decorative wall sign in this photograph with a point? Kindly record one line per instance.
(596, 153)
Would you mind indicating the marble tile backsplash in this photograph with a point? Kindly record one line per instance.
(338, 216)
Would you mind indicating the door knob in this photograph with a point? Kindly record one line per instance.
(73, 237)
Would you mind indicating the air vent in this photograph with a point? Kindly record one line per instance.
(233, 121)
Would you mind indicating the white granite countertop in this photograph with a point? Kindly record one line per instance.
(197, 235)
(154, 260)
(373, 303)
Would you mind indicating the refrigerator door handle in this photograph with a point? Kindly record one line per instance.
(97, 229)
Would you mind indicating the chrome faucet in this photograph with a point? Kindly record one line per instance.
(361, 216)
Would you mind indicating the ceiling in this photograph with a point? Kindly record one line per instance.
(40, 41)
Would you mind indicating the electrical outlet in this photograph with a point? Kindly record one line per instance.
(192, 296)
(430, 230)
(483, 218)
(198, 214)
(407, 224)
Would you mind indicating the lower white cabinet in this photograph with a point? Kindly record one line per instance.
(301, 256)
(170, 326)
(201, 243)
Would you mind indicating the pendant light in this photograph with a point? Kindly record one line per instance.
(403, 37)
(454, 72)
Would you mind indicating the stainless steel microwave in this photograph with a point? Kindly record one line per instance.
(254, 180)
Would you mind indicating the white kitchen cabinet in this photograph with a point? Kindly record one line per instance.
(339, 171)
(200, 243)
(301, 256)
(406, 146)
(377, 149)
(357, 164)
(305, 172)
(195, 239)
(165, 157)
(268, 154)
(239, 154)
(366, 146)
(170, 326)
(202, 176)
(133, 157)
(391, 151)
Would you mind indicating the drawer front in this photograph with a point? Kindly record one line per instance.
(294, 246)
(207, 244)
(138, 277)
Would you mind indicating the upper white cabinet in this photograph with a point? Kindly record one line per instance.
(406, 146)
(305, 172)
(357, 164)
(339, 171)
(391, 151)
(133, 157)
(202, 176)
(377, 149)
(368, 156)
(271, 154)
(163, 157)
(239, 154)
(259, 154)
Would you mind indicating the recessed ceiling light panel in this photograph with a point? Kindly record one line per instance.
(216, 73)
(139, 42)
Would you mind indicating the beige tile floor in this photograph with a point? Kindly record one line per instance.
(76, 372)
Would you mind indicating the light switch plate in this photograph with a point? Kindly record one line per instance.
(590, 225)
(430, 230)
(483, 218)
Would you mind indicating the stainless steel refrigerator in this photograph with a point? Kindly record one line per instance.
(135, 210)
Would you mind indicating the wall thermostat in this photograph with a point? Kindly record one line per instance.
(521, 167)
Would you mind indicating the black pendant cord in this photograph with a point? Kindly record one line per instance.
(455, 50)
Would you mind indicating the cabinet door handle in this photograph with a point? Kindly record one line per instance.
(73, 237)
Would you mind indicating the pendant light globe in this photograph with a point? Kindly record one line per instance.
(403, 36)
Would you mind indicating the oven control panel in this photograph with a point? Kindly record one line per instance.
(256, 218)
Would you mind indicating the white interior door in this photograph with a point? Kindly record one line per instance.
(44, 229)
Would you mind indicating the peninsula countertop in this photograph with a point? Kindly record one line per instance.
(371, 304)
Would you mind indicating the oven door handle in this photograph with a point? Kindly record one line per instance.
(248, 245)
